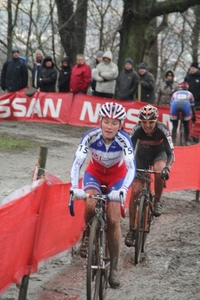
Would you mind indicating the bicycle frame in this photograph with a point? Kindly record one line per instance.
(98, 260)
(144, 213)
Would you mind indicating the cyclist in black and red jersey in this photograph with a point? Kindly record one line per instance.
(153, 147)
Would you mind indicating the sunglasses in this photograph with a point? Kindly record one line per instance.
(148, 122)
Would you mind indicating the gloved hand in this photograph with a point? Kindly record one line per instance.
(78, 193)
(193, 119)
(165, 173)
(117, 195)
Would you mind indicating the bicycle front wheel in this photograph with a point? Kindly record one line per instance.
(93, 260)
(106, 266)
(147, 224)
(139, 230)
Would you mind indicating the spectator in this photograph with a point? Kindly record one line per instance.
(146, 84)
(80, 76)
(127, 82)
(105, 75)
(64, 76)
(193, 79)
(14, 74)
(48, 75)
(37, 68)
(99, 58)
(166, 89)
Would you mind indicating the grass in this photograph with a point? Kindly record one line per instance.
(8, 142)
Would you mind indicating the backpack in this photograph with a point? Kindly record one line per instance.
(22, 58)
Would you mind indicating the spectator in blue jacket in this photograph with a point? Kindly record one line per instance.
(14, 74)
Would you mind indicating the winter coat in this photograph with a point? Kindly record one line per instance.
(165, 91)
(147, 83)
(127, 84)
(80, 78)
(64, 79)
(48, 77)
(105, 75)
(36, 74)
(14, 75)
(194, 86)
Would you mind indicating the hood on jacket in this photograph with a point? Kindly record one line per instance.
(108, 54)
(47, 58)
(67, 59)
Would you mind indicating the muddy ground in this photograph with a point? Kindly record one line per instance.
(170, 270)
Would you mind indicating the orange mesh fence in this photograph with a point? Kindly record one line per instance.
(38, 225)
(57, 229)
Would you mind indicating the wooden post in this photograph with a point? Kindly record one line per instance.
(42, 164)
(197, 195)
(42, 161)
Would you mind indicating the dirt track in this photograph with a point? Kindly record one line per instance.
(171, 268)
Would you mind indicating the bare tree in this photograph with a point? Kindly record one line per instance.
(135, 31)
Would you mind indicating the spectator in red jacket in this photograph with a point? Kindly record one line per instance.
(80, 76)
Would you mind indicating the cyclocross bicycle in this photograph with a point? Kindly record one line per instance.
(98, 260)
(144, 213)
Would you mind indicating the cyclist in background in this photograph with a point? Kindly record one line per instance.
(111, 164)
(182, 101)
(154, 147)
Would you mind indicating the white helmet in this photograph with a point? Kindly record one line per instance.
(112, 110)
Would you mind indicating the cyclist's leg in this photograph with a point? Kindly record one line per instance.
(174, 112)
(114, 241)
(114, 234)
(186, 130)
(159, 164)
(174, 130)
(186, 111)
(91, 186)
(136, 190)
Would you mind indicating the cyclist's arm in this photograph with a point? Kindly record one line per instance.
(79, 159)
(169, 148)
(129, 160)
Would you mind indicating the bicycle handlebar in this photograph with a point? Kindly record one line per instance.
(151, 172)
(93, 196)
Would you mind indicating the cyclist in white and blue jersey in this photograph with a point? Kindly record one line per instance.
(111, 164)
(182, 102)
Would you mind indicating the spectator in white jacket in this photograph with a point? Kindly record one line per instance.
(105, 75)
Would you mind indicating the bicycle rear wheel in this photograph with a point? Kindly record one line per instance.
(93, 268)
(139, 230)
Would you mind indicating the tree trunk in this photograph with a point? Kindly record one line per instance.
(132, 40)
(66, 24)
(196, 34)
(136, 31)
(81, 23)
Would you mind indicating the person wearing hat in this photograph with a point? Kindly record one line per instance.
(193, 79)
(98, 59)
(14, 74)
(64, 76)
(146, 85)
(166, 89)
(105, 75)
(127, 82)
(37, 68)
(48, 75)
